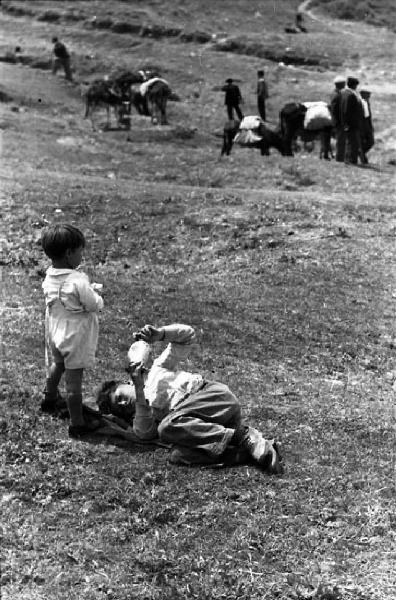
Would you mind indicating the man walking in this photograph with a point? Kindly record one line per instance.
(233, 99)
(262, 94)
(367, 130)
(61, 59)
(351, 120)
(335, 110)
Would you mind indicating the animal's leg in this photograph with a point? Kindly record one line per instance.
(92, 119)
(164, 120)
(264, 150)
(154, 113)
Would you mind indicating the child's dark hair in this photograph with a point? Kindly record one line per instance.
(57, 239)
(103, 396)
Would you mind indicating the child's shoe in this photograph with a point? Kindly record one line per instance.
(77, 431)
(265, 453)
(52, 403)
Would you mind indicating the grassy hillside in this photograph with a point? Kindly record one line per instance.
(284, 266)
(381, 13)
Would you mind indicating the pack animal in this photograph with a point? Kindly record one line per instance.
(263, 138)
(158, 93)
(111, 93)
(291, 123)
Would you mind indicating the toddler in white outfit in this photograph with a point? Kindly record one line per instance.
(71, 322)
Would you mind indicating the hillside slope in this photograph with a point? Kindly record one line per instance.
(283, 265)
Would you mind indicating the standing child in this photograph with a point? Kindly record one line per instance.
(71, 322)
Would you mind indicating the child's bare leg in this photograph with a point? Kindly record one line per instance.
(73, 379)
(54, 375)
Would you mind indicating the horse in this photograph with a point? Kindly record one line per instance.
(291, 124)
(157, 94)
(265, 138)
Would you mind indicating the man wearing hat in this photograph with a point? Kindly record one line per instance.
(335, 109)
(351, 119)
(367, 130)
(232, 99)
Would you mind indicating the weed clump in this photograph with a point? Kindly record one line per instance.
(49, 15)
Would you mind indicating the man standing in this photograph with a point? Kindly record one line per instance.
(262, 94)
(233, 99)
(335, 110)
(351, 119)
(61, 59)
(367, 131)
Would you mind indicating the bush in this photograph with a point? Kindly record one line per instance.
(50, 16)
(123, 27)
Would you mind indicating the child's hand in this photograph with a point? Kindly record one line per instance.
(149, 334)
(136, 371)
(97, 287)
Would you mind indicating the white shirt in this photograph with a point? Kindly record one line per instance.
(72, 289)
(366, 112)
(166, 384)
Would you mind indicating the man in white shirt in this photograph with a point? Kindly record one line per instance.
(200, 418)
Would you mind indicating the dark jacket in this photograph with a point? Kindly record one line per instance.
(232, 94)
(351, 109)
(335, 107)
(60, 51)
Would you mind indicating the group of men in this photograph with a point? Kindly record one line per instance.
(350, 109)
(351, 113)
(233, 97)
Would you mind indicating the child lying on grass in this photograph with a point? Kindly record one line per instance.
(201, 419)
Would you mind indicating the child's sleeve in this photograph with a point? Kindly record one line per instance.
(90, 300)
(180, 338)
(144, 425)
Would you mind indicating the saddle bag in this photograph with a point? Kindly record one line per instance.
(317, 116)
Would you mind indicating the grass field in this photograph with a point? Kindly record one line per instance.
(285, 267)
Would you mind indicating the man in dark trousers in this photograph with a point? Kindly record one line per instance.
(335, 109)
(351, 120)
(61, 59)
(262, 94)
(233, 99)
(367, 130)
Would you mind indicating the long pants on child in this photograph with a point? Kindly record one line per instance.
(204, 421)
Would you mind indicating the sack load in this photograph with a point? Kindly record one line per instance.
(248, 132)
(147, 84)
(246, 137)
(250, 122)
(317, 116)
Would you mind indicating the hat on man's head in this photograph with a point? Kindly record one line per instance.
(352, 79)
(339, 79)
(229, 80)
(365, 90)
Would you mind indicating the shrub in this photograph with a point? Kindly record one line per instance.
(50, 16)
(123, 27)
